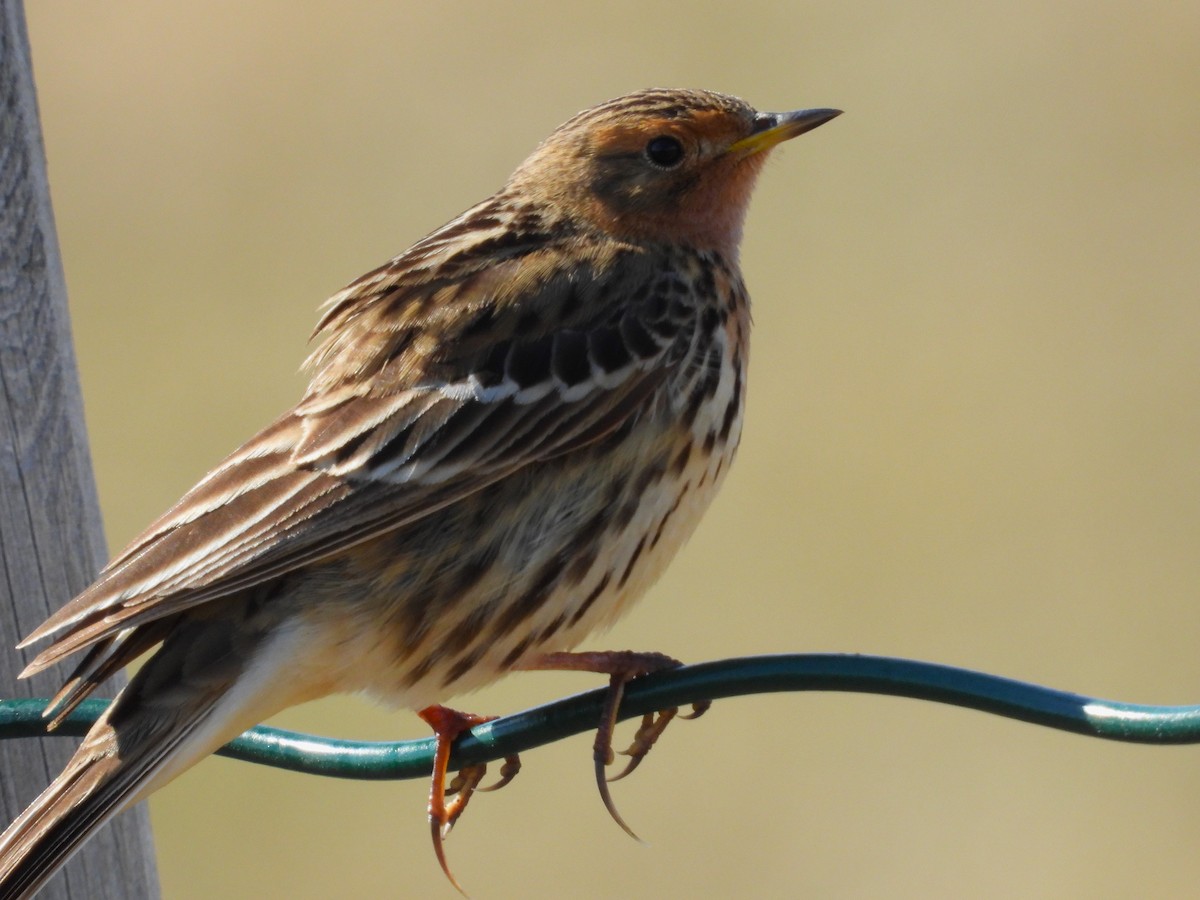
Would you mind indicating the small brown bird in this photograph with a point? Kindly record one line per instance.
(510, 429)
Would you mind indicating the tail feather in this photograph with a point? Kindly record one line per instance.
(44, 836)
(98, 782)
(104, 777)
(102, 661)
(207, 683)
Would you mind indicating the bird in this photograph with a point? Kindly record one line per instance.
(509, 430)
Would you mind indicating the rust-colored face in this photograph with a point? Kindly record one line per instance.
(675, 166)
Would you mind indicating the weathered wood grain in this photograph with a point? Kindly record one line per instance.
(51, 539)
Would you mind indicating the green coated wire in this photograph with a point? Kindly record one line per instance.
(679, 687)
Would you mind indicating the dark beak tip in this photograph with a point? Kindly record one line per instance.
(805, 120)
(801, 119)
(816, 116)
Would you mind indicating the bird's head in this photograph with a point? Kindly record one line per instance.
(663, 165)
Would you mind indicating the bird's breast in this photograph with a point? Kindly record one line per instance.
(539, 560)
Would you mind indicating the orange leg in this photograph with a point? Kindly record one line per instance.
(622, 666)
(447, 725)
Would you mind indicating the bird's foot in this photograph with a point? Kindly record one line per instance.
(447, 725)
(621, 666)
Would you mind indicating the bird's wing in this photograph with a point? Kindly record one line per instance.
(532, 359)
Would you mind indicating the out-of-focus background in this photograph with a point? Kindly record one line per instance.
(973, 435)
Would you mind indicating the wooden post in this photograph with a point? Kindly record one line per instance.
(51, 538)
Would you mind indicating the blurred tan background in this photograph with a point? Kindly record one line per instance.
(973, 437)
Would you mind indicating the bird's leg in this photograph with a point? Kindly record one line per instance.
(447, 725)
(621, 666)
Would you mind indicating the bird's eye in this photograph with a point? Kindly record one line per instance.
(664, 151)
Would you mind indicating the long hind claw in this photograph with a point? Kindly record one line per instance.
(447, 725)
(602, 751)
(621, 667)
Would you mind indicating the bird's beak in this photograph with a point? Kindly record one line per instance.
(773, 128)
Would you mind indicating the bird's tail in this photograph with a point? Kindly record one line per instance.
(94, 787)
(199, 690)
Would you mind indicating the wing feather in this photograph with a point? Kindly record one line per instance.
(363, 455)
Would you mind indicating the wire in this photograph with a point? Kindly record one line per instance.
(679, 687)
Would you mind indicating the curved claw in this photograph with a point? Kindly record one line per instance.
(652, 727)
(621, 666)
(448, 724)
(439, 851)
(602, 752)
(464, 783)
(699, 708)
(508, 771)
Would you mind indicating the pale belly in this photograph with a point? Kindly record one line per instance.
(531, 565)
